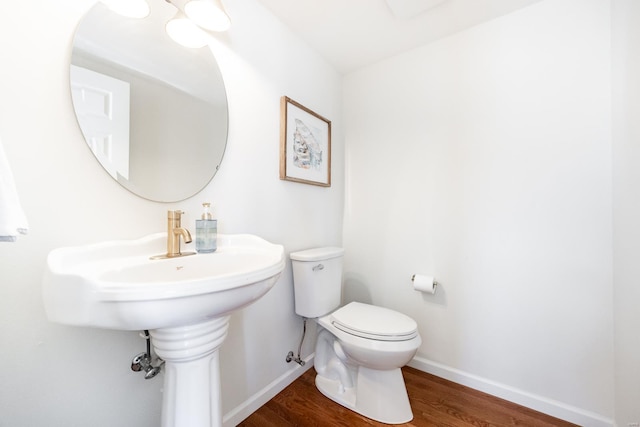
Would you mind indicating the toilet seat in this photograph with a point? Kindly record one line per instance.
(375, 323)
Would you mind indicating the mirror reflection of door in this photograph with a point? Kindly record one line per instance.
(102, 106)
(178, 115)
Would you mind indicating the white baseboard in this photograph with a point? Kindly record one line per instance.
(538, 403)
(249, 406)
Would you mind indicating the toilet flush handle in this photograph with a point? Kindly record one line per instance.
(318, 267)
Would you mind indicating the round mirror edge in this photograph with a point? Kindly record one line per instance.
(214, 167)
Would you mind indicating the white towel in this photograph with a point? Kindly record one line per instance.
(12, 218)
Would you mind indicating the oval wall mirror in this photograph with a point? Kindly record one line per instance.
(153, 113)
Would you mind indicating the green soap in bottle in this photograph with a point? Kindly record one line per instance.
(206, 231)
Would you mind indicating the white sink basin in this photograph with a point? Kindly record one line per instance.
(115, 285)
(184, 302)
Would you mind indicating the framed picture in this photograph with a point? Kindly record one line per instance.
(305, 145)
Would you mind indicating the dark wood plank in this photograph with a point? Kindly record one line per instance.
(434, 401)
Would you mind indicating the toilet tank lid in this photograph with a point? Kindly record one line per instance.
(317, 254)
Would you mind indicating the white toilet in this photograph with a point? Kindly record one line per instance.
(360, 347)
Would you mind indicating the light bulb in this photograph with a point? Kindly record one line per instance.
(183, 31)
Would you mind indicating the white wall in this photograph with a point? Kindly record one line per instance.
(497, 180)
(626, 207)
(54, 375)
(485, 160)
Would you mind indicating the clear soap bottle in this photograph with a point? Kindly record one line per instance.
(206, 231)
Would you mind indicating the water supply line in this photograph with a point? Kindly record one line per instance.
(144, 362)
(298, 359)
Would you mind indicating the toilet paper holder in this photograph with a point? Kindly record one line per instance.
(420, 288)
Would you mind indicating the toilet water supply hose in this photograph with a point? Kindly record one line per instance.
(298, 359)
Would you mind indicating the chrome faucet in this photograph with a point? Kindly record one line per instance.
(174, 232)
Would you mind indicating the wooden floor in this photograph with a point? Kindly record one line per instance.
(435, 402)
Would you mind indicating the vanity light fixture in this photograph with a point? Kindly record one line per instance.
(185, 32)
(194, 18)
(128, 8)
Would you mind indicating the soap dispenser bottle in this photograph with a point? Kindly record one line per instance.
(206, 231)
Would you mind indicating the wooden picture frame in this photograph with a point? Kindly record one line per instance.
(305, 145)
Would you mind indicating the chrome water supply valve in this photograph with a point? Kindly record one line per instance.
(144, 362)
(290, 355)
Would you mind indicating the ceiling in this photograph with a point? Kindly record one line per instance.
(353, 33)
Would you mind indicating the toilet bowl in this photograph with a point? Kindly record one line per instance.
(360, 348)
(360, 369)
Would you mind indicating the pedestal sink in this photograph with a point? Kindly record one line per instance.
(184, 302)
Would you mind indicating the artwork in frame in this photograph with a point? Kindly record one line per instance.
(305, 144)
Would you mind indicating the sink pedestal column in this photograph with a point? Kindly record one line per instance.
(192, 373)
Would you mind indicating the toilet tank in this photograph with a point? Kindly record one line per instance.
(317, 280)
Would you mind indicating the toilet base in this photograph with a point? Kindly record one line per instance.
(379, 395)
